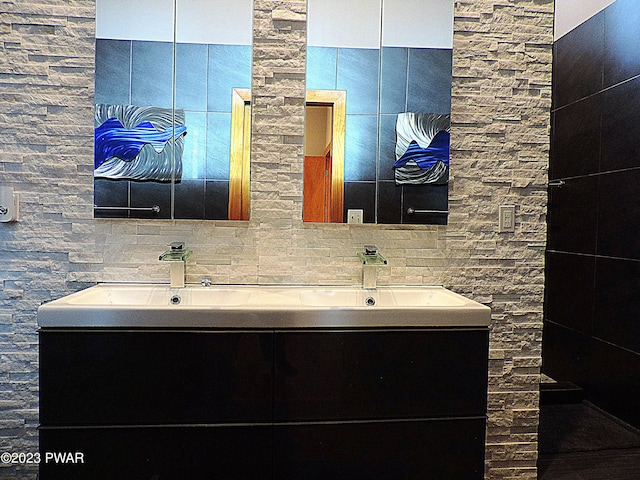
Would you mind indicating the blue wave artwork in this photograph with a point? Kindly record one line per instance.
(112, 139)
(138, 143)
(422, 149)
(426, 158)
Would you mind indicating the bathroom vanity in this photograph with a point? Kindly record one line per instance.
(347, 384)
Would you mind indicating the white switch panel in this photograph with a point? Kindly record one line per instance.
(354, 215)
(8, 205)
(507, 218)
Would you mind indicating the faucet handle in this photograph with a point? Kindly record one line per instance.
(176, 246)
(370, 249)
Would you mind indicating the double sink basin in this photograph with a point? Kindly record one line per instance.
(260, 306)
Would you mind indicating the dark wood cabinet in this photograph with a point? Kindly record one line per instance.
(284, 404)
(380, 374)
(155, 377)
(241, 452)
(435, 449)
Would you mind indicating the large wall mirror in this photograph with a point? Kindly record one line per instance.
(378, 111)
(172, 77)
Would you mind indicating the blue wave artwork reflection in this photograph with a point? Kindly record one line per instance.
(422, 149)
(138, 143)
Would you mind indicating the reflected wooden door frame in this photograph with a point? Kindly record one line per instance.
(337, 99)
(240, 155)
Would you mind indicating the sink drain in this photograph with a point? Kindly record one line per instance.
(175, 300)
(370, 301)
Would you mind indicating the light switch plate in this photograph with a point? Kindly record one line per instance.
(354, 215)
(507, 218)
(8, 205)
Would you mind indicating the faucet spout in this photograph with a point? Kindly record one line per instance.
(369, 276)
(177, 256)
(371, 259)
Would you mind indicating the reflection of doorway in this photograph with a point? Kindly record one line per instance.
(317, 163)
(324, 156)
(324, 173)
(240, 158)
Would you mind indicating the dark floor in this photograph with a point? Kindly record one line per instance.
(580, 442)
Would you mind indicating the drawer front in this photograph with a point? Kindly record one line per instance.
(411, 450)
(380, 374)
(141, 378)
(153, 453)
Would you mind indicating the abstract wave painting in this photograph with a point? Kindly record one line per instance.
(138, 143)
(422, 149)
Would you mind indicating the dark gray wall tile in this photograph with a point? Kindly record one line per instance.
(358, 75)
(191, 76)
(360, 148)
(218, 145)
(322, 64)
(387, 156)
(111, 193)
(194, 156)
(217, 200)
(425, 197)
(189, 199)
(152, 74)
(148, 194)
(393, 79)
(389, 202)
(229, 68)
(361, 195)
(429, 86)
(113, 71)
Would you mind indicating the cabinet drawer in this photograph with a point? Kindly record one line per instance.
(412, 450)
(155, 453)
(380, 374)
(141, 378)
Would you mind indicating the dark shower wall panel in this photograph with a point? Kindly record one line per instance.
(578, 62)
(567, 354)
(619, 214)
(592, 309)
(615, 381)
(575, 141)
(617, 303)
(622, 55)
(621, 126)
(573, 215)
(569, 290)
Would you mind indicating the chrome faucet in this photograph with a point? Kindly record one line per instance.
(371, 259)
(176, 255)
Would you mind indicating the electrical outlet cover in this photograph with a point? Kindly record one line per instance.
(355, 215)
(507, 219)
